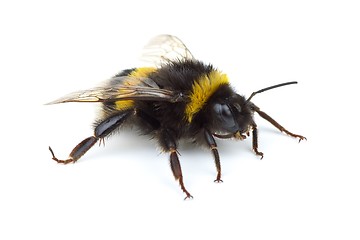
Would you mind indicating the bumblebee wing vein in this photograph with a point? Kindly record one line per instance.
(149, 94)
(121, 92)
(165, 48)
(90, 95)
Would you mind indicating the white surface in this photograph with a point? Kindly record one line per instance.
(126, 190)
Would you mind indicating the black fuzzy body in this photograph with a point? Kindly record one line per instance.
(154, 117)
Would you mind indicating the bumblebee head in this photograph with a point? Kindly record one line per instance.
(231, 116)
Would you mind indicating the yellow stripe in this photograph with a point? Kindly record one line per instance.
(142, 72)
(133, 80)
(202, 90)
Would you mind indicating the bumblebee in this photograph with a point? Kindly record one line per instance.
(180, 98)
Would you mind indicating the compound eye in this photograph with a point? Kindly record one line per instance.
(222, 110)
(237, 107)
(224, 114)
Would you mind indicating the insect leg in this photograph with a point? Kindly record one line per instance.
(212, 144)
(169, 145)
(276, 124)
(103, 128)
(255, 141)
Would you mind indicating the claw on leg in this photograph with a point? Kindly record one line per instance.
(218, 180)
(259, 153)
(60, 161)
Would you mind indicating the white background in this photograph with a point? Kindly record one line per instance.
(126, 190)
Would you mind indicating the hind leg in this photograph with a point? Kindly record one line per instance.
(102, 129)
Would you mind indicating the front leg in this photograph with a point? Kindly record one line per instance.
(212, 144)
(277, 125)
(255, 141)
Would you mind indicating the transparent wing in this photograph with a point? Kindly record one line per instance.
(164, 48)
(123, 88)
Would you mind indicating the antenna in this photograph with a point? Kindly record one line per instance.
(268, 88)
